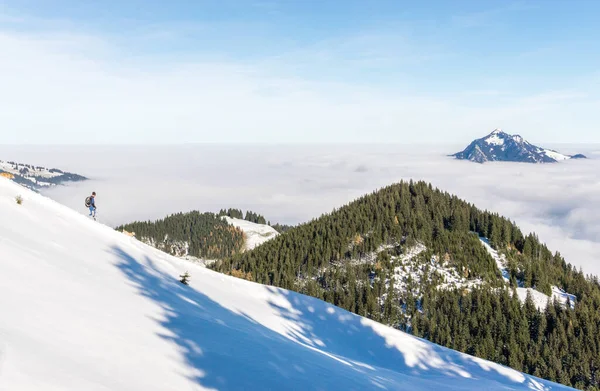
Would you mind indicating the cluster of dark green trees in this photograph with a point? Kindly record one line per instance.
(557, 344)
(281, 228)
(239, 214)
(253, 217)
(325, 258)
(208, 235)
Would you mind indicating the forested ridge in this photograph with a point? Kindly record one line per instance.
(350, 258)
(202, 235)
(253, 217)
(206, 234)
(239, 214)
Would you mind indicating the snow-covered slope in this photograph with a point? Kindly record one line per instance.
(501, 146)
(84, 307)
(256, 234)
(541, 300)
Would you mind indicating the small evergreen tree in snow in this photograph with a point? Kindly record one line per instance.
(185, 278)
(19, 199)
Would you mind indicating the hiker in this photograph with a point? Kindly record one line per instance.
(90, 202)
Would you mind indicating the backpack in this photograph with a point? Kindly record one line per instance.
(88, 201)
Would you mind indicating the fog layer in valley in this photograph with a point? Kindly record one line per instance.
(292, 184)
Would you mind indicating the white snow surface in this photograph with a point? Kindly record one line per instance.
(563, 297)
(555, 155)
(541, 300)
(256, 234)
(493, 139)
(84, 307)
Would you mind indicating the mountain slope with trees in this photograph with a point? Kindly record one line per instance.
(201, 235)
(36, 177)
(362, 257)
(204, 235)
(107, 312)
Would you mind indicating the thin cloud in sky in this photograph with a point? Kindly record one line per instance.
(489, 16)
(89, 86)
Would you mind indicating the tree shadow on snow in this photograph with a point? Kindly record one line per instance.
(322, 348)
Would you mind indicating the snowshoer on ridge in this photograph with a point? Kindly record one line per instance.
(90, 202)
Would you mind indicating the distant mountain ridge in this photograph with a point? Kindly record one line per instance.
(501, 146)
(36, 177)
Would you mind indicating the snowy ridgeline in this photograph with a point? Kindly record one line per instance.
(540, 299)
(501, 146)
(85, 307)
(36, 177)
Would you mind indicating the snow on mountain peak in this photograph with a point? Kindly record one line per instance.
(500, 146)
(85, 307)
(494, 139)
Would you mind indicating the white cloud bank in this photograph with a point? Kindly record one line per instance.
(291, 184)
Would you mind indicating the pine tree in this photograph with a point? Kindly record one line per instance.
(184, 278)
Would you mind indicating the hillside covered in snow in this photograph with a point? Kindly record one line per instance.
(36, 177)
(85, 307)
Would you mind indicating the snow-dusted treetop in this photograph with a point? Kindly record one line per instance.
(85, 307)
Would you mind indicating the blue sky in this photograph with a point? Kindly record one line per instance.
(298, 71)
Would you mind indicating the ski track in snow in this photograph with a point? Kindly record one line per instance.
(85, 307)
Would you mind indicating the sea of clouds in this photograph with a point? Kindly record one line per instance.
(293, 184)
